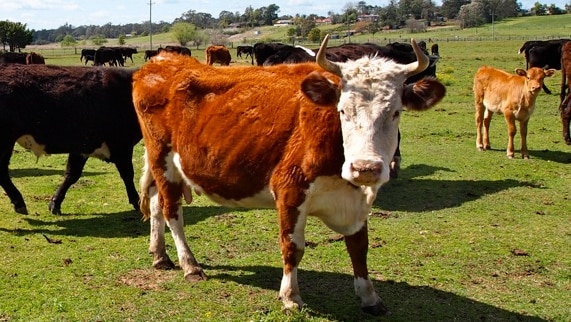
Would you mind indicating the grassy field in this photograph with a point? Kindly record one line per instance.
(461, 235)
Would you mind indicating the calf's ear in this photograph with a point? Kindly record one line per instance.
(423, 94)
(549, 72)
(521, 72)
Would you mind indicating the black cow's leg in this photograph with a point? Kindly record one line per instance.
(5, 181)
(73, 170)
(545, 89)
(395, 162)
(124, 165)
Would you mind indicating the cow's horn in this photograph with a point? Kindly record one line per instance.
(323, 62)
(421, 60)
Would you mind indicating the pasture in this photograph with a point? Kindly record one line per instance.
(461, 235)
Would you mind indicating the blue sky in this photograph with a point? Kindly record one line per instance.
(50, 14)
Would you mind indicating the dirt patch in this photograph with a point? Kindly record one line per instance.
(147, 279)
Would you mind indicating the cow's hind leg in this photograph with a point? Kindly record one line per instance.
(157, 239)
(5, 181)
(357, 246)
(73, 170)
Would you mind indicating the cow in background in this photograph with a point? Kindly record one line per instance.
(246, 50)
(513, 95)
(88, 54)
(128, 52)
(34, 58)
(218, 54)
(543, 54)
(434, 50)
(78, 111)
(150, 53)
(565, 96)
(176, 49)
(13, 58)
(307, 139)
(108, 55)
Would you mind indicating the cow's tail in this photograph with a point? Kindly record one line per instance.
(146, 182)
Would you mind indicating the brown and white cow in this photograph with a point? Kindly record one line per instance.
(307, 139)
(565, 106)
(218, 54)
(513, 95)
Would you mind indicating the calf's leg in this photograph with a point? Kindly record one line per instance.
(510, 121)
(523, 134)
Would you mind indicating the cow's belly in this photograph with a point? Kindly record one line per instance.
(29, 143)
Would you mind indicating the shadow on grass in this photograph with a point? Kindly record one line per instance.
(106, 225)
(553, 156)
(35, 172)
(412, 193)
(330, 295)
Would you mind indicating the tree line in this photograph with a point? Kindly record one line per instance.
(396, 14)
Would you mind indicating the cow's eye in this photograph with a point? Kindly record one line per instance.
(342, 112)
(396, 115)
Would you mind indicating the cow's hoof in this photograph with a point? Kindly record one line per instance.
(55, 210)
(378, 309)
(568, 141)
(165, 264)
(196, 276)
(21, 210)
(525, 157)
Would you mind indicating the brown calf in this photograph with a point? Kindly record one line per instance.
(496, 91)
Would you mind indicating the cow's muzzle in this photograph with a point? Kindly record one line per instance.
(365, 172)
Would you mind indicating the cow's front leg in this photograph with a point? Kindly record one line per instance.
(510, 121)
(523, 134)
(292, 241)
(157, 239)
(357, 246)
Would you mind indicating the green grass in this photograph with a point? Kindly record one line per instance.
(446, 237)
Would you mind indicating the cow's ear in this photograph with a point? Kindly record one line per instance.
(320, 90)
(549, 72)
(521, 72)
(423, 94)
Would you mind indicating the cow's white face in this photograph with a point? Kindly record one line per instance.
(369, 107)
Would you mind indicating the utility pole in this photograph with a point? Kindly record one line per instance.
(151, 23)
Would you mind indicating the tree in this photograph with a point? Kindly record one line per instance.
(451, 8)
(15, 35)
(314, 35)
(183, 32)
(121, 40)
(471, 15)
(98, 40)
(68, 41)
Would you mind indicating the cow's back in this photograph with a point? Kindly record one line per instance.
(79, 101)
(262, 131)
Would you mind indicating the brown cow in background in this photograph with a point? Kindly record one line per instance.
(496, 91)
(33, 58)
(218, 54)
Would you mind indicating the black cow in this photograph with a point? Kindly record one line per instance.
(108, 55)
(434, 50)
(247, 50)
(128, 52)
(264, 50)
(13, 58)
(543, 54)
(80, 111)
(150, 53)
(88, 54)
(176, 49)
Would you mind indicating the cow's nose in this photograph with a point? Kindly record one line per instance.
(366, 172)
